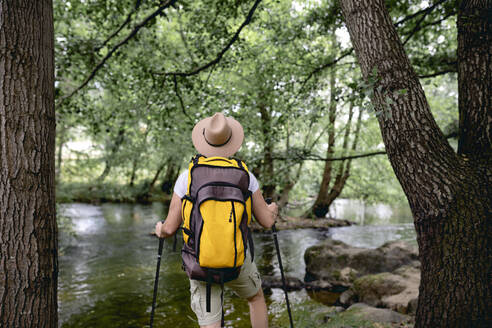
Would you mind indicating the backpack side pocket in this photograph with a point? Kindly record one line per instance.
(186, 207)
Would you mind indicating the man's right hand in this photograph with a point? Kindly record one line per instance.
(273, 208)
(158, 229)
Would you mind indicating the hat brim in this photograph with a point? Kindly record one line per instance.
(227, 150)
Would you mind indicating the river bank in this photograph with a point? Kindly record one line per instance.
(90, 193)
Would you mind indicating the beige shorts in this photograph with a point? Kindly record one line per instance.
(245, 286)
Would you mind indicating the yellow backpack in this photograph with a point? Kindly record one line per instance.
(216, 213)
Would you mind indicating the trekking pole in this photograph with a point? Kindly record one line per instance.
(156, 282)
(284, 285)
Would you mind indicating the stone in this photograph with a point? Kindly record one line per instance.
(348, 274)
(367, 312)
(348, 297)
(340, 264)
(292, 283)
(318, 285)
(397, 291)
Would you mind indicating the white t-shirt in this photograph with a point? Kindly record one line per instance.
(181, 184)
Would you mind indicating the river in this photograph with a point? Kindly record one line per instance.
(107, 266)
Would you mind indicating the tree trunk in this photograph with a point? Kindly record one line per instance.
(133, 175)
(267, 170)
(475, 79)
(344, 168)
(170, 177)
(28, 232)
(449, 195)
(156, 176)
(109, 158)
(59, 153)
(321, 206)
(288, 186)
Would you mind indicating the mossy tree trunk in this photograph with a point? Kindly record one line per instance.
(28, 232)
(449, 194)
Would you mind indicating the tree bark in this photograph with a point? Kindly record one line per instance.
(449, 195)
(475, 79)
(28, 232)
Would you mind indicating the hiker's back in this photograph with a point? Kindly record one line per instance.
(216, 213)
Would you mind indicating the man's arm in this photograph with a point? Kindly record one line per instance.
(264, 213)
(173, 220)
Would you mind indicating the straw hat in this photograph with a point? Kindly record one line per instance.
(217, 136)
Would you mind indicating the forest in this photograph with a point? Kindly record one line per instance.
(345, 104)
(285, 70)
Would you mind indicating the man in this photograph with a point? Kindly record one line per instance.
(222, 136)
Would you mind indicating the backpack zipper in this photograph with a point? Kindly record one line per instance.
(217, 159)
(235, 245)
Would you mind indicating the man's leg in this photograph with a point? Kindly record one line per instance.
(198, 304)
(258, 310)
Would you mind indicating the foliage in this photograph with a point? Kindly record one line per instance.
(136, 113)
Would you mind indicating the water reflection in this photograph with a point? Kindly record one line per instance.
(373, 236)
(107, 270)
(374, 214)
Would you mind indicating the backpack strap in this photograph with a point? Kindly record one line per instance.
(175, 241)
(222, 298)
(196, 158)
(240, 164)
(208, 292)
(188, 197)
(187, 231)
(251, 245)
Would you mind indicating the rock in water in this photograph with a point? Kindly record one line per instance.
(367, 312)
(340, 264)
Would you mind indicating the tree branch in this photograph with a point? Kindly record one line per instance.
(419, 27)
(176, 90)
(450, 70)
(126, 22)
(324, 66)
(146, 20)
(420, 12)
(343, 158)
(222, 52)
